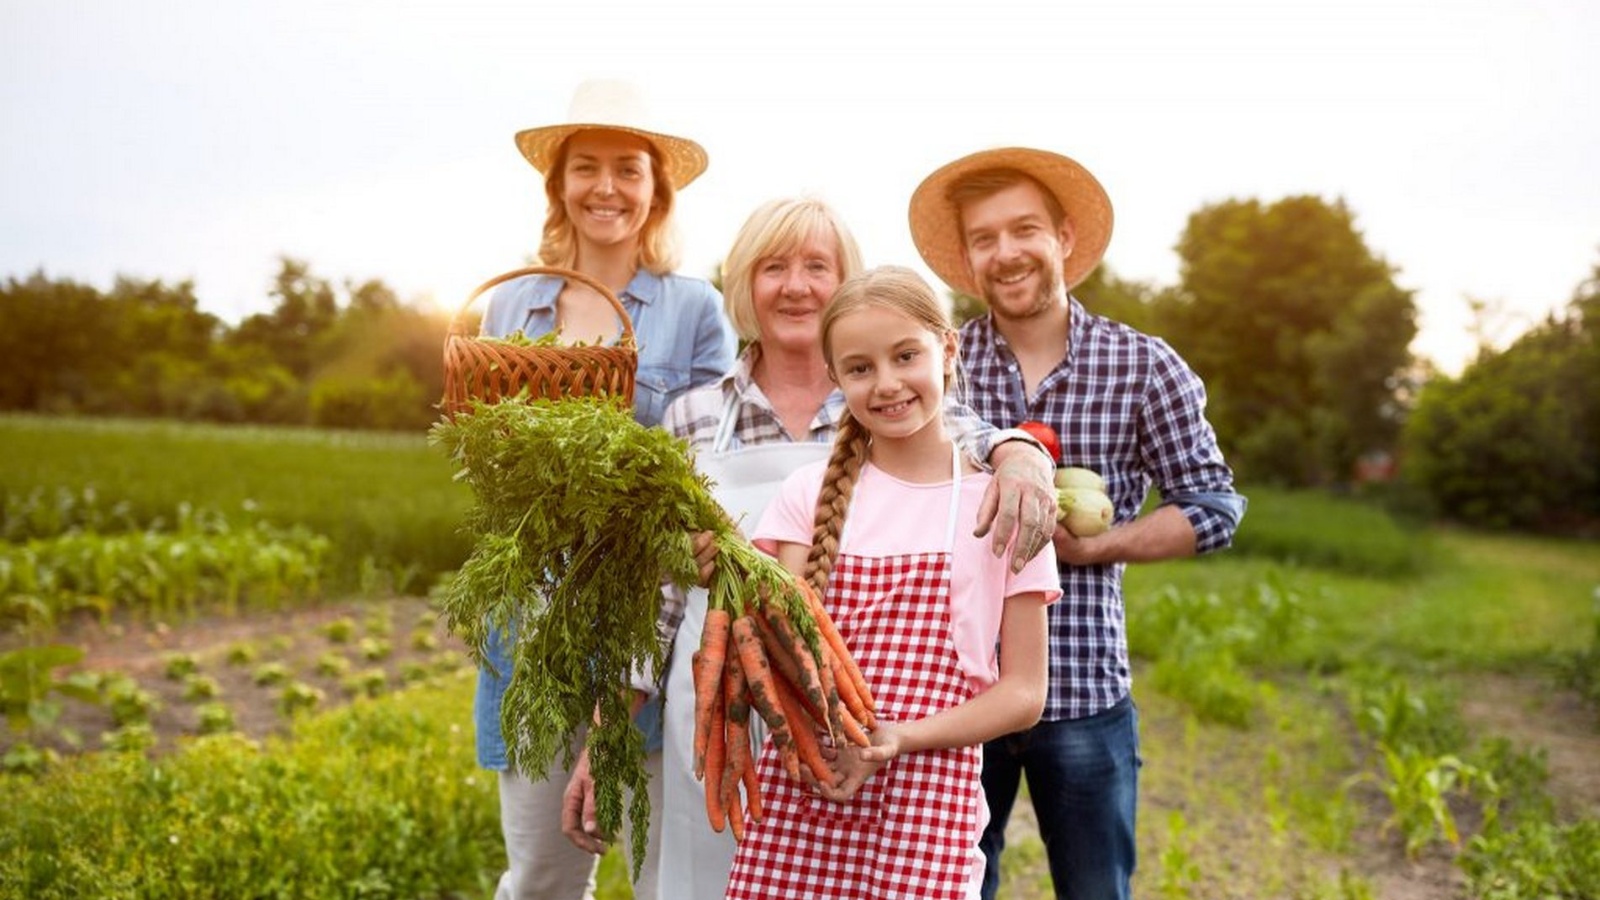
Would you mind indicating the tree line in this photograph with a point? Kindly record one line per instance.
(1298, 328)
(352, 357)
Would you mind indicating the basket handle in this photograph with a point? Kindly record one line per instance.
(458, 329)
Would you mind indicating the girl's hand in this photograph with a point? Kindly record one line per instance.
(705, 555)
(855, 765)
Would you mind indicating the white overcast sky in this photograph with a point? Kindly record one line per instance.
(200, 140)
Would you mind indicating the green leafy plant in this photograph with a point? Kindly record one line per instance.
(366, 683)
(200, 687)
(241, 653)
(374, 649)
(214, 718)
(221, 816)
(1179, 871)
(133, 737)
(1419, 787)
(31, 691)
(23, 758)
(270, 673)
(1539, 858)
(298, 697)
(378, 623)
(332, 664)
(340, 630)
(176, 666)
(129, 703)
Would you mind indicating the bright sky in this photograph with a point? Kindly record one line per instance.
(200, 140)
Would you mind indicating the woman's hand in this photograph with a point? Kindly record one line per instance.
(577, 809)
(705, 555)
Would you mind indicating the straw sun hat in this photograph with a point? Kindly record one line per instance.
(936, 226)
(613, 106)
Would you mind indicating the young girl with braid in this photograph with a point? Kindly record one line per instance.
(951, 643)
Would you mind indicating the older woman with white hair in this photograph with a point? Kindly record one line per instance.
(775, 411)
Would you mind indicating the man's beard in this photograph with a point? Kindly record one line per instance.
(1043, 300)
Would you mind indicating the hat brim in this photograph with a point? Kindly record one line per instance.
(683, 159)
(936, 223)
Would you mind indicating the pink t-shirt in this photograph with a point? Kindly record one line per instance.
(890, 517)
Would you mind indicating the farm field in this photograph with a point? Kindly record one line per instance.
(1323, 713)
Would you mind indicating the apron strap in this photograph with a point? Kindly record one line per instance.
(727, 424)
(955, 500)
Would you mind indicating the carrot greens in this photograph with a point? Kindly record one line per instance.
(578, 513)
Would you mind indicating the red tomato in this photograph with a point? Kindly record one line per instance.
(1045, 435)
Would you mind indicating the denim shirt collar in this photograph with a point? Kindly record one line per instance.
(645, 287)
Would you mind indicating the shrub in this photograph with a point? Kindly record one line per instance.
(383, 791)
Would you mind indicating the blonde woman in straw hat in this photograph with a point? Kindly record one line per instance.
(1020, 228)
(610, 180)
(776, 411)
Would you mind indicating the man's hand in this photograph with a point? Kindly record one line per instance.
(577, 809)
(1021, 499)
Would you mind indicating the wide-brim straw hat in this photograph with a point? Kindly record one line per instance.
(608, 105)
(936, 223)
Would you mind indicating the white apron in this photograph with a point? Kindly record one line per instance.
(695, 860)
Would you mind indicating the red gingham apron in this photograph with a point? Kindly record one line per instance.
(912, 829)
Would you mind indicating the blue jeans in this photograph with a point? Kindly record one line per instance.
(1083, 775)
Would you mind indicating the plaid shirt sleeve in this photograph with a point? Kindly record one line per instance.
(1179, 448)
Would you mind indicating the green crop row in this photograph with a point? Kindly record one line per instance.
(386, 502)
(157, 573)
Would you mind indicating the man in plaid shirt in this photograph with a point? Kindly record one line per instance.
(1020, 228)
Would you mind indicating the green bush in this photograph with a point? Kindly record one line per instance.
(1201, 644)
(1342, 533)
(378, 799)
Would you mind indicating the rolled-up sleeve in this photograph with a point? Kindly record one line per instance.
(1180, 448)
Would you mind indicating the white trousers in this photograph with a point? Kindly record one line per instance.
(541, 863)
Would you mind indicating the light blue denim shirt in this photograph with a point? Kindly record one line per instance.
(684, 341)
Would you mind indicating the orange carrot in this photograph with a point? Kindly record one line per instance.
(737, 731)
(843, 684)
(696, 669)
(752, 793)
(781, 654)
(716, 759)
(763, 690)
(808, 681)
(736, 816)
(708, 686)
(850, 713)
(804, 730)
(830, 634)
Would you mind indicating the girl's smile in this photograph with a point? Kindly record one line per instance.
(892, 370)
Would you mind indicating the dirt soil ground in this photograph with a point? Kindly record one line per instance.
(340, 649)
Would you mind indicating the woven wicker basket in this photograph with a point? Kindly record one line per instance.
(476, 368)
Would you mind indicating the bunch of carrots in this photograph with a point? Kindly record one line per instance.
(776, 651)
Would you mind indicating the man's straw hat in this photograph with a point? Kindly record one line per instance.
(936, 223)
(613, 106)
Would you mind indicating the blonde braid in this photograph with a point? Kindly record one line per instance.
(838, 484)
